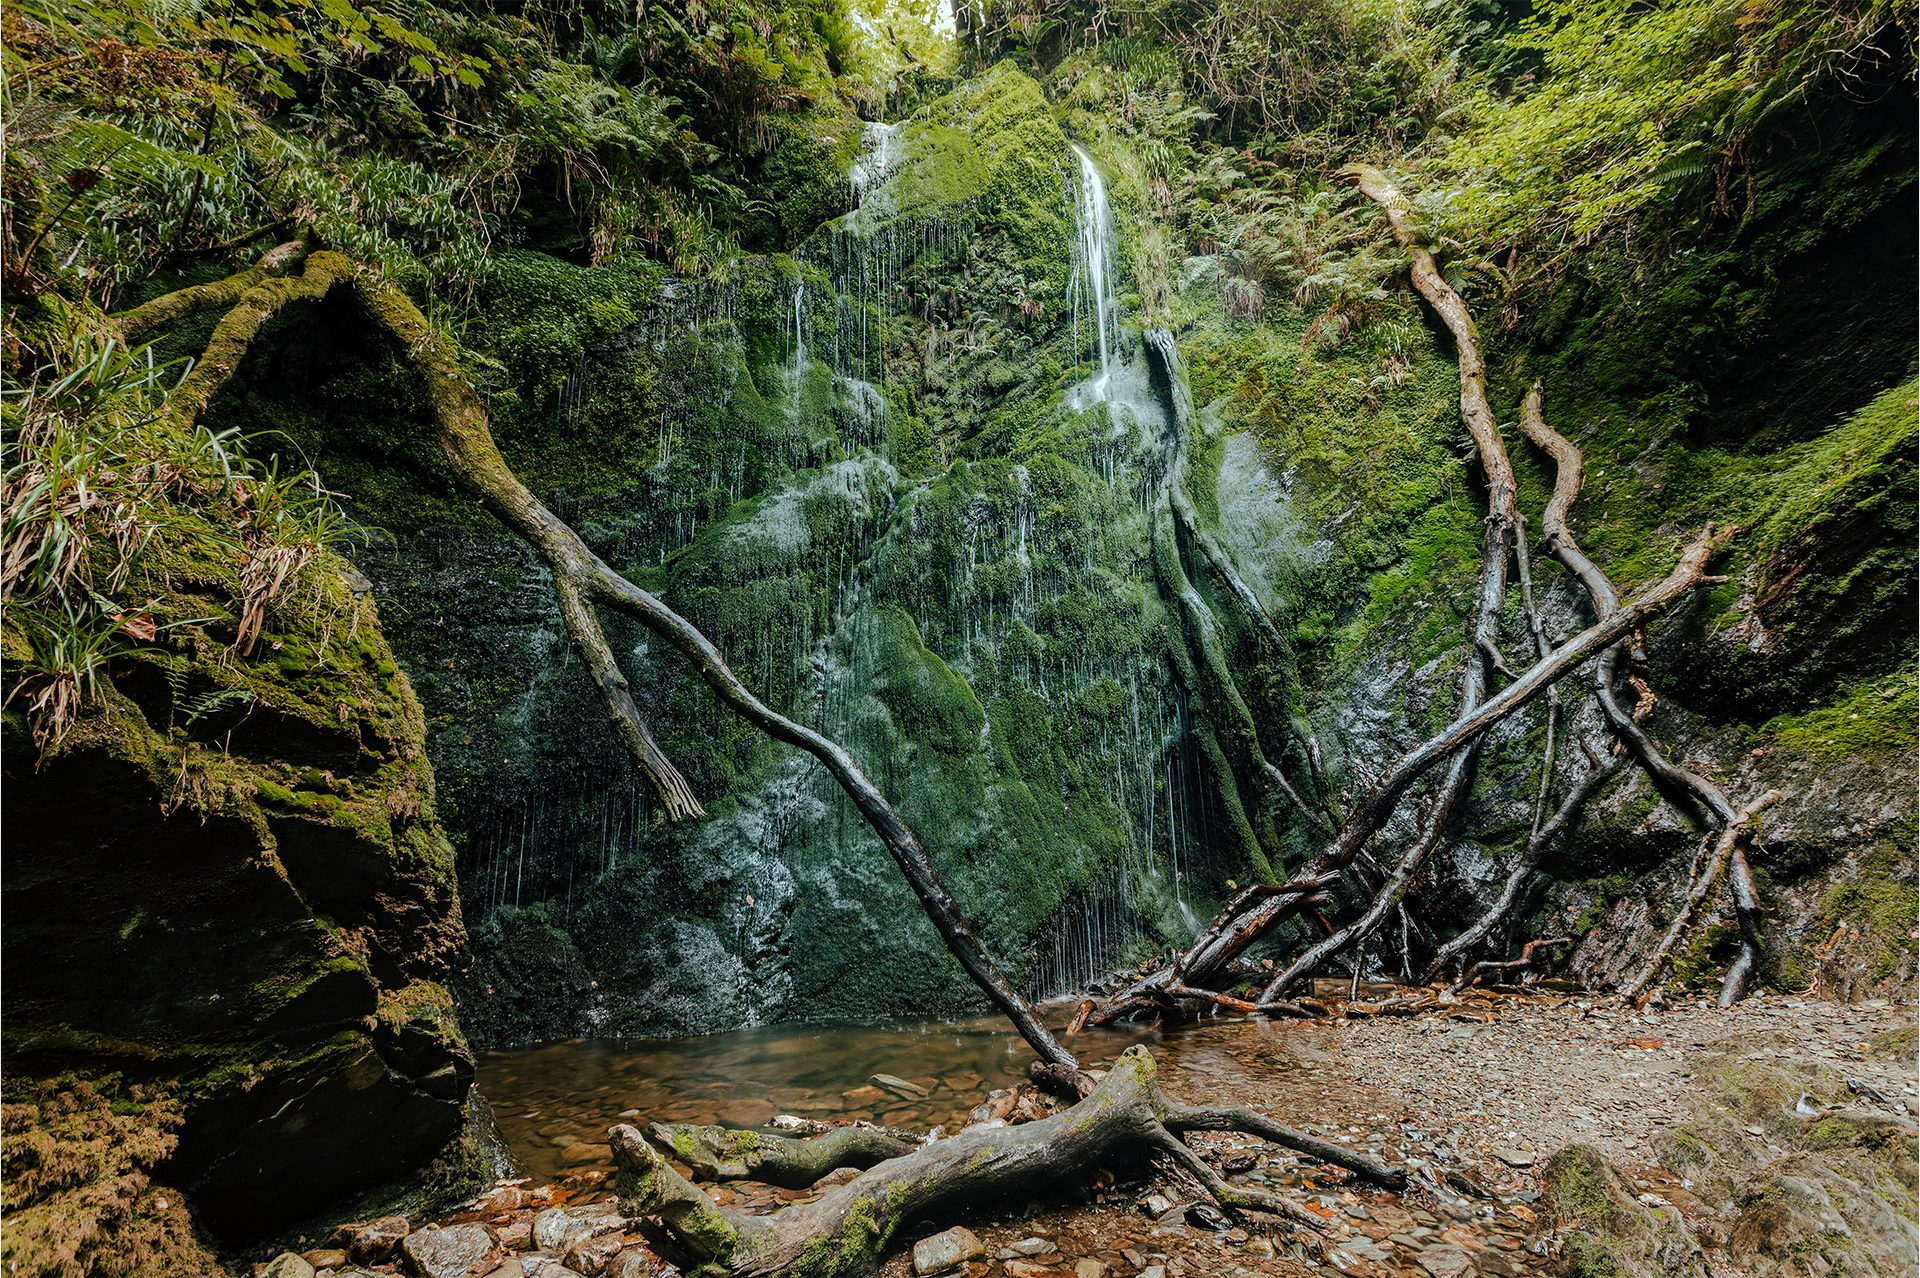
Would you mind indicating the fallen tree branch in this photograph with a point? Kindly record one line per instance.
(1730, 838)
(1238, 1118)
(720, 1153)
(1504, 529)
(1525, 961)
(1746, 908)
(1701, 793)
(582, 579)
(848, 1227)
(1524, 866)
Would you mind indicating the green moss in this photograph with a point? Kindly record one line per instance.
(1872, 718)
(930, 703)
(1879, 898)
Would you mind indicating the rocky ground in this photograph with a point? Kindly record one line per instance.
(1546, 1135)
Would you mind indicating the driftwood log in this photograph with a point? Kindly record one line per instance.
(847, 1227)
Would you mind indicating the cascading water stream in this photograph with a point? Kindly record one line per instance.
(1094, 296)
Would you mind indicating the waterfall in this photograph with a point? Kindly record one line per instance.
(799, 328)
(879, 156)
(1092, 288)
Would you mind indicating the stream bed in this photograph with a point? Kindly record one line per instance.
(555, 1102)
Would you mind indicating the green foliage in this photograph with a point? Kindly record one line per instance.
(104, 491)
(1624, 107)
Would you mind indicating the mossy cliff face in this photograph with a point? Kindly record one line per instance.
(877, 472)
(864, 471)
(1710, 386)
(230, 916)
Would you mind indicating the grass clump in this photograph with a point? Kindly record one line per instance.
(105, 491)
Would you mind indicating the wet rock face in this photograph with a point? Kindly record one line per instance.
(959, 589)
(256, 913)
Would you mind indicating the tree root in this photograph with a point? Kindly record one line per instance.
(846, 1229)
(1732, 835)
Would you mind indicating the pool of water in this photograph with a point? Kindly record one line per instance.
(555, 1102)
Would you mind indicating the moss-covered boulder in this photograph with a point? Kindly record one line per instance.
(228, 902)
(1609, 1234)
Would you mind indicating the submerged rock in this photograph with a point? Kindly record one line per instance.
(898, 1086)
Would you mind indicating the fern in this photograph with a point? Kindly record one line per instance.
(214, 700)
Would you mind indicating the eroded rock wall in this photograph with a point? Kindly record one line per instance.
(230, 917)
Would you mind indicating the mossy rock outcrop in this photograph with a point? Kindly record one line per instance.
(229, 902)
(1788, 1173)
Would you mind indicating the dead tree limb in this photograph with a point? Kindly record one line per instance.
(169, 307)
(466, 438)
(1706, 796)
(848, 1227)
(720, 1153)
(1556, 533)
(1256, 910)
(1486, 967)
(1525, 864)
(1731, 836)
(1238, 1118)
(1746, 908)
(1504, 527)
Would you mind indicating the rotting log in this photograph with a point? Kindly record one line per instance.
(792, 1162)
(848, 1227)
